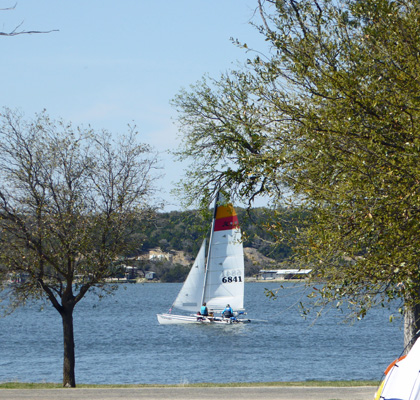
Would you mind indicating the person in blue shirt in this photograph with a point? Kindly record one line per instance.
(204, 310)
(227, 312)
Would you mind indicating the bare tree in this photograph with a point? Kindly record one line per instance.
(69, 200)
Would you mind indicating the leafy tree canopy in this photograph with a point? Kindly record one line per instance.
(329, 122)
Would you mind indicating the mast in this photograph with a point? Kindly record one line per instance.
(216, 201)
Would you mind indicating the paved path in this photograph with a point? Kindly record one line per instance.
(188, 393)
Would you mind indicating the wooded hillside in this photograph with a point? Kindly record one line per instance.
(179, 234)
(183, 231)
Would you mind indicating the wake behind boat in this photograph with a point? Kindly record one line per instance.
(216, 278)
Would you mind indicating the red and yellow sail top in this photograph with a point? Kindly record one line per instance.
(226, 218)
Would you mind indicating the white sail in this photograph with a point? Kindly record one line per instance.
(189, 297)
(224, 282)
(225, 275)
(220, 280)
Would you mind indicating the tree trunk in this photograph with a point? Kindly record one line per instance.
(69, 379)
(411, 324)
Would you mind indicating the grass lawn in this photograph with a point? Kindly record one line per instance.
(21, 385)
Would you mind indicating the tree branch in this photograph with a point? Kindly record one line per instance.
(15, 33)
(26, 32)
(8, 8)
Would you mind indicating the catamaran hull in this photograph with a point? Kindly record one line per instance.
(169, 319)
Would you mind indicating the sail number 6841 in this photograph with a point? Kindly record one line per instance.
(231, 279)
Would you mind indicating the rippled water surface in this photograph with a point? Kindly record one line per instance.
(118, 340)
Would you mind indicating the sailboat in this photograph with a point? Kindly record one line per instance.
(216, 277)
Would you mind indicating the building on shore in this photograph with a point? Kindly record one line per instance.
(282, 274)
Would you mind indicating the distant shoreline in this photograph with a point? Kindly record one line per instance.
(247, 280)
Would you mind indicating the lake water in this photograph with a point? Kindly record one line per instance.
(118, 340)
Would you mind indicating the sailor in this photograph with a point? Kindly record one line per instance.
(227, 312)
(204, 310)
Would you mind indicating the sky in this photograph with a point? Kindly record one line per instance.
(114, 63)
